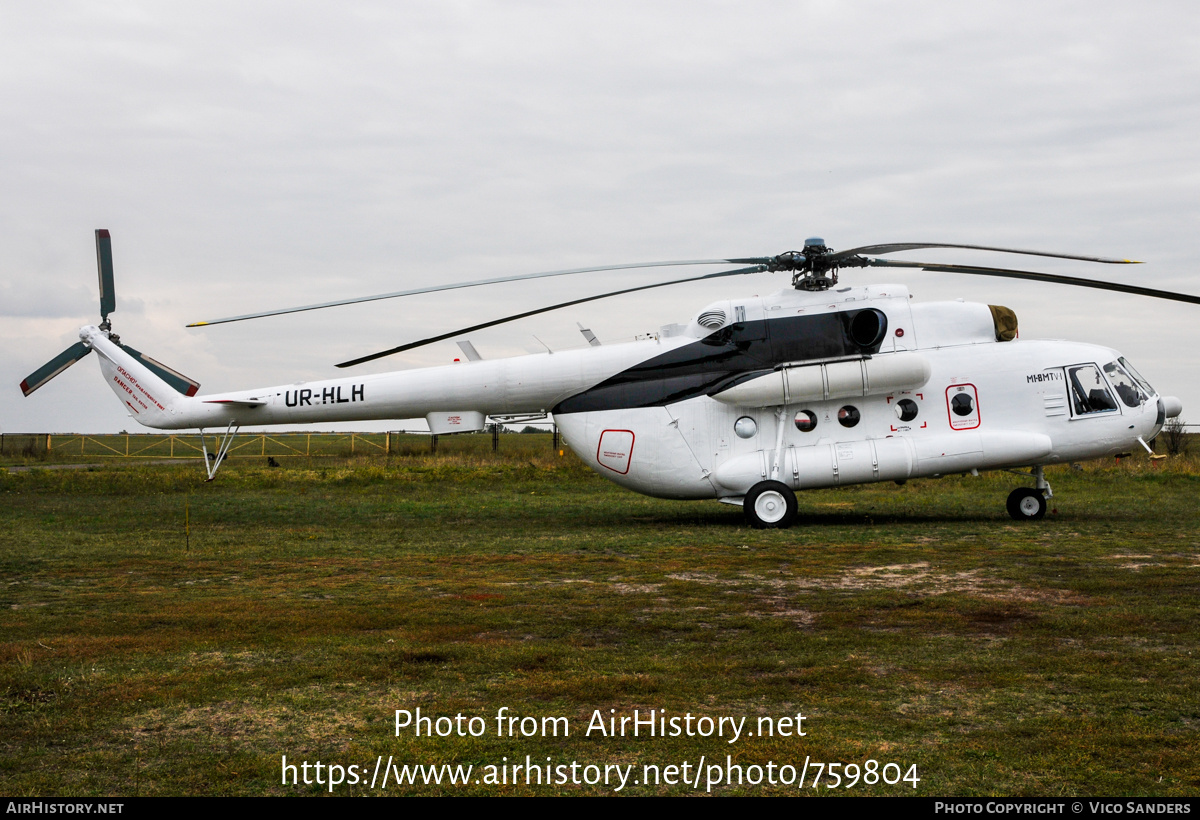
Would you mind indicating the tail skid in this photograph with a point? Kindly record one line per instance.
(212, 461)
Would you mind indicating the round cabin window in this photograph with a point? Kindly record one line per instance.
(745, 427)
(806, 421)
(906, 409)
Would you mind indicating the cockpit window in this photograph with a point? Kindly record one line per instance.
(1128, 389)
(1138, 377)
(1089, 393)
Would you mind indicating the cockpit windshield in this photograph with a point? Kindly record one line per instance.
(1138, 377)
(1127, 387)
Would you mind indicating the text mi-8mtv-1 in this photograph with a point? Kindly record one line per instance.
(750, 401)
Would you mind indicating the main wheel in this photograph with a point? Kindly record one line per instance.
(1026, 504)
(770, 505)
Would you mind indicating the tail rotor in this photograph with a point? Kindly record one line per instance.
(53, 367)
(108, 304)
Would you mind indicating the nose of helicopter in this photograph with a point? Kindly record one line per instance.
(1172, 406)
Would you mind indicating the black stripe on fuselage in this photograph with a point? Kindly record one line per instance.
(729, 355)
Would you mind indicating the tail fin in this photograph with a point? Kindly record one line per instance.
(137, 382)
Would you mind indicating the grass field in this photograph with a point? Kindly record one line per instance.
(164, 636)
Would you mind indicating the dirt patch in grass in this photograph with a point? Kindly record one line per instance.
(917, 578)
(263, 727)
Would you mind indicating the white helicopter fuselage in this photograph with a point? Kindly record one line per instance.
(811, 389)
(691, 449)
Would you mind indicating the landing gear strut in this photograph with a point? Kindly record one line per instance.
(212, 461)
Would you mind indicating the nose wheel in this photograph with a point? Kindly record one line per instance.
(770, 505)
(1026, 504)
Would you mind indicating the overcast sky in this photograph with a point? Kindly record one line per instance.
(249, 156)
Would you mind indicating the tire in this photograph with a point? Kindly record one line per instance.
(1025, 504)
(770, 505)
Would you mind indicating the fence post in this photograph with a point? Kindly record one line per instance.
(554, 441)
(496, 438)
(433, 443)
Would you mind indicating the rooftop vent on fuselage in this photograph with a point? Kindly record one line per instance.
(712, 319)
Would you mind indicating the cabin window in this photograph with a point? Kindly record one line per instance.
(1089, 392)
(745, 427)
(849, 416)
(806, 421)
(906, 409)
(1127, 389)
(962, 407)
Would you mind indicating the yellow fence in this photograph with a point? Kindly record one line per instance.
(73, 446)
(261, 445)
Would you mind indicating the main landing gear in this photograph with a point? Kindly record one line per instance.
(770, 505)
(1026, 504)
(1029, 503)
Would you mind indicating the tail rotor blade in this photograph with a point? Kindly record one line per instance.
(104, 266)
(53, 367)
(174, 378)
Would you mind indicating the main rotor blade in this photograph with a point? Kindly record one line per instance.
(53, 367)
(913, 246)
(174, 378)
(476, 283)
(104, 266)
(513, 318)
(1038, 277)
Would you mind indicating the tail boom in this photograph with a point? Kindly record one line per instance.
(520, 385)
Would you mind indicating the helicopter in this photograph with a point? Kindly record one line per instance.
(750, 401)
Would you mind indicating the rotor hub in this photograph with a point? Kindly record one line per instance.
(816, 267)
